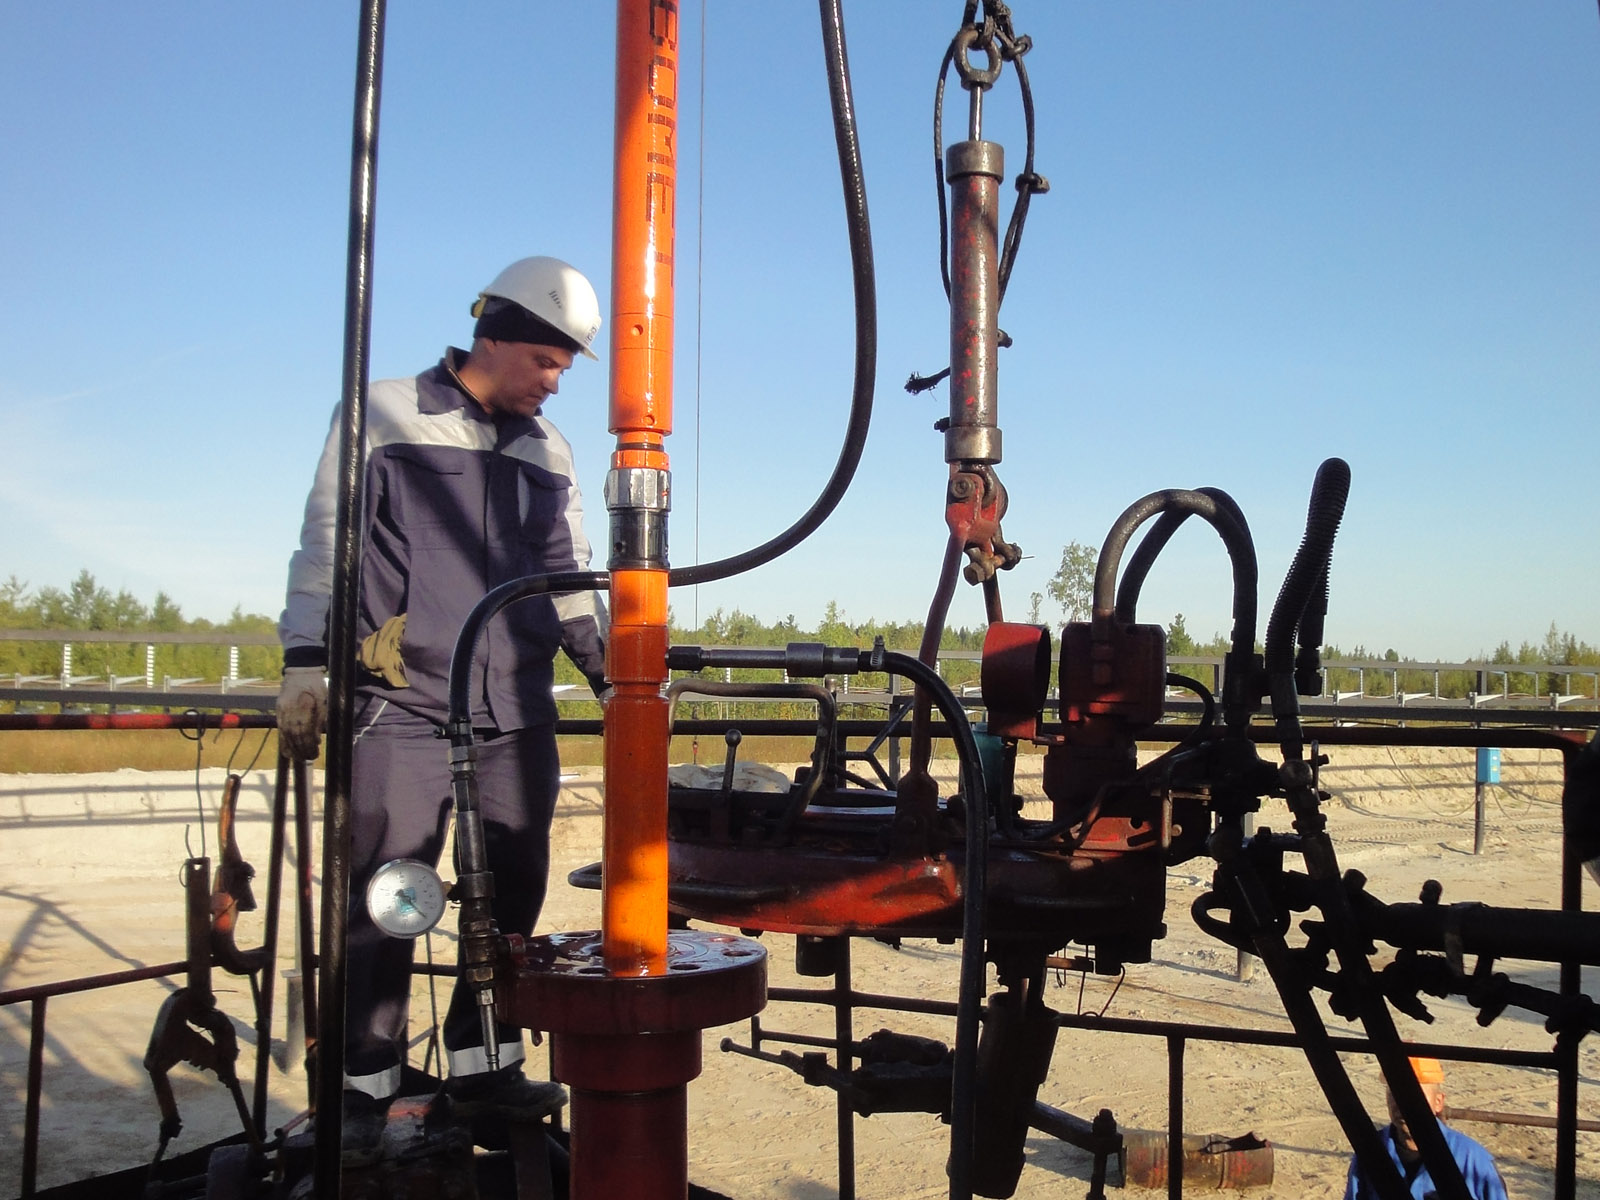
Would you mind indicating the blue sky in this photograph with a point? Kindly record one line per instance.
(1276, 232)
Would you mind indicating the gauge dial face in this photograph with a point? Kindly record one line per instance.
(406, 898)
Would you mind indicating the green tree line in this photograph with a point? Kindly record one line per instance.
(86, 605)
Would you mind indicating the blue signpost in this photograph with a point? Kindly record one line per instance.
(1488, 772)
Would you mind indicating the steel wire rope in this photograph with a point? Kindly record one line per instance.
(866, 311)
(254, 758)
(199, 740)
(994, 29)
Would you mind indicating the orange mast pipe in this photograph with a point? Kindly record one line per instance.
(634, 898)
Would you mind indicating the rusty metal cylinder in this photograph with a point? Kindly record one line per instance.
(1209, 1160)
(629, 1106)
(618, 1149)
(627, 1045)
(974, 170)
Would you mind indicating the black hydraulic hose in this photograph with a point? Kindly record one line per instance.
(1195, 736)
(866, 305)
(492, 603)
(474, 886)
(1308, 658)
(1222, 513)
(346, 590)
(1309, 569)
(1240, 695)
(969, 997)
(1263, 924)
(807, 659)
(1155, 541)
(1351, 947)
(1241, 551)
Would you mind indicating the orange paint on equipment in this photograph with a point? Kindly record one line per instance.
(633, 918)
(643, 240)
(634, 896)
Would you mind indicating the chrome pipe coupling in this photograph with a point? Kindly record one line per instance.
(639, 487)
(638, 499)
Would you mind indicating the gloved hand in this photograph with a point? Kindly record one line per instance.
(302, 711)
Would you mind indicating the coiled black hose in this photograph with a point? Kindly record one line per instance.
(866, 302)
(1304, 588)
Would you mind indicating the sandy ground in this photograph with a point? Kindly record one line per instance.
(91, 884)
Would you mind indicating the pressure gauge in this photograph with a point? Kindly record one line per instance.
(405, 898)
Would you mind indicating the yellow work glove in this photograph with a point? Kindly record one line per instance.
(380, 652)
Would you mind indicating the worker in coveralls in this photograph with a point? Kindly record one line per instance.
(467, 486)
(1477, 1167)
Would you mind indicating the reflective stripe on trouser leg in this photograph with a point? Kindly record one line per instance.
(380, 1085)
(399, 808)
(473, 1061)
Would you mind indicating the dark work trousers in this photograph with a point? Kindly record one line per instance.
(400, 807)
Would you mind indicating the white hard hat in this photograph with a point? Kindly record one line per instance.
(555, 292)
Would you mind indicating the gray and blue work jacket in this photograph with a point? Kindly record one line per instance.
(456, 502)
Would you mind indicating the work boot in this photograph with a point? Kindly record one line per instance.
(489, 1101)
(361, 1134)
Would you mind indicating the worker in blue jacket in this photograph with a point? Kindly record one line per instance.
(467, 485)
(1477, 1167)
